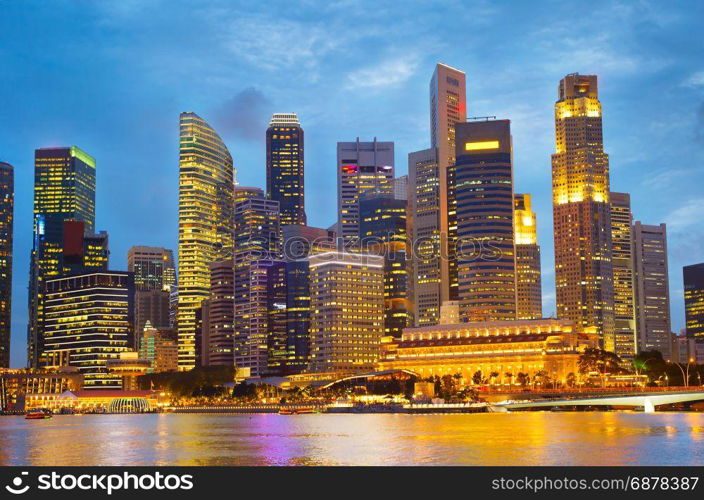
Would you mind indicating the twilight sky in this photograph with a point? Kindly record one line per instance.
(112, 77)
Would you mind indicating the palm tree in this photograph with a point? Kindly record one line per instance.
(509, 376)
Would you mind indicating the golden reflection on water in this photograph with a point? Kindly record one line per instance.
(525, 438)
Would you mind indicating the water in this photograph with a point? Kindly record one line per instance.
(526, 438)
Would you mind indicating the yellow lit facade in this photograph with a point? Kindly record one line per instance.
(623, 340)
(529, 301)
(205, 222)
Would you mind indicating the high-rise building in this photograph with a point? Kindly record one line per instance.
(424, 226)
(382, 231)
(87, 322)
(448, 107)
(159, 347)
(623, 340)
(64, 189)
(652, 291)
(206, 200)
(7, 203)
(481, 192)
(694, 300)
(401, 187)
(347, 311)
(154, 275)
(221, 311)
(284, 167)
(83, 252)
(581, 209)
(362, 167)
(529, 295)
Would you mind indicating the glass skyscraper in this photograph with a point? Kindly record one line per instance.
(284, 167)
(7, 197)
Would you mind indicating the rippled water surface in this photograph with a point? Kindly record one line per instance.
(534, 438)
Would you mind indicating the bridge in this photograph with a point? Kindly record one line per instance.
(647, 401)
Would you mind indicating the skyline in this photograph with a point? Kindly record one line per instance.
(363, 104)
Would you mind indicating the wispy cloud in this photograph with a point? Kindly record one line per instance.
(686, 216)
(387, 73)
(695, 80)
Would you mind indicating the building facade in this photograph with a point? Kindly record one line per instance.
(7, 204)
(581, 209)
(529, 293)
(694, 300)
(221, 313)
(284, 167)
(206, 201)
(159, 347)
(153, 267)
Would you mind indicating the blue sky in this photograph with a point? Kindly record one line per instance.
(112, 77)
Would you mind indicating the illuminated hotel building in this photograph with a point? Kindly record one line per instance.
(581, 209)
(623, 340)
(284, 167)
(529, 296)
(382, 231)
(64, 189)
(347, 311)
(424, 231)
(652, 291)
(87, 322)
(546, 347)
(481, 192)
(205, 221)
(362, 167)
(694, 300)
(448, 107)
(7, 197)
(154, 275)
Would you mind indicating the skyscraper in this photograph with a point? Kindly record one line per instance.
(448, 106)
(7, 203)
(623, 341)
(694, 300)
(284, 167)
(221, 311)
(347, 311)
(205, 220)
(529, 296)
(362, 167)
(481, 190)
(64, 189)
(652, 291)
(581, 209)
(424, 225)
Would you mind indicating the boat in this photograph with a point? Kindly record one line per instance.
(38, 414)
(296, 411)
(286, 411)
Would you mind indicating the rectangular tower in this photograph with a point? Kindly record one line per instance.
(7, 197)
(694, 300)
(284, 167)
(529, 296)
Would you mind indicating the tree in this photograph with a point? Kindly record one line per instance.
(509, 376)
(599, 361)
(523, 379)
(571, 379)
(477, 377)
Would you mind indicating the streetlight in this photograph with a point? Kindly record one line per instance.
(684, 377)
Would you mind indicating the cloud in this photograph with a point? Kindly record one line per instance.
(243, 116)
(387, 73)
(685, 216)
(695, 80)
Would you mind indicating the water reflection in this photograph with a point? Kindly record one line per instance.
(533, 438)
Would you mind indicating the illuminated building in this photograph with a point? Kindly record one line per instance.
(159, 348)
(424, 223)
(401, 187)
(529, 347)
(694, 300)
(347, 311)
(362, 167)
(448, 107)
(382, 231)
(652, 291)
(64, 189)
(581, 209)
(623, 340)
(7, 197)
(87, 322)
(128, 366)
(529, 296)
(284, 167)
(205, 221)
(221, 311)
(83, 252)
(481, 191)
(18, 385)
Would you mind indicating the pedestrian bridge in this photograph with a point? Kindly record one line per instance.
(646, 401)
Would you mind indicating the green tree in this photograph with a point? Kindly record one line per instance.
(477, 377)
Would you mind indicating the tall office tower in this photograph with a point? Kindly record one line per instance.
(82, 252)
(623, 340)
(481, 185)
(159, 348)
(581, 209)
(529, 292)
(448, 106)
(694, 300)
(154, 275)
(401, 187)
(64, 189)
(87, 322)
(382, 231)
(362, 167)
(424, 225)
(347, 311)
(7, 203)
(203, 333)
(243, 193)
(221, 313)
(652, 291)
(284, 167)
(278, 353)
(205, 221)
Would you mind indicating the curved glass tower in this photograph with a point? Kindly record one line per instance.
(205, 222)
